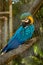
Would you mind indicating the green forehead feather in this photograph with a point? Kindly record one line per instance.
(24, 15)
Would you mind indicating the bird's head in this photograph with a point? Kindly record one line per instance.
(27, 18)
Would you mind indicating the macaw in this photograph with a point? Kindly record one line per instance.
(21, 35)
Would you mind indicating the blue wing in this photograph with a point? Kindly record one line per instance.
(20, 36)
(13, 42)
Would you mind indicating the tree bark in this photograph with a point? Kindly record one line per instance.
(5, 58)
(32, 6)
(35, 6)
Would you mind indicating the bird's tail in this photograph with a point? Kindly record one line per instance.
(4, 50)
(3, 53)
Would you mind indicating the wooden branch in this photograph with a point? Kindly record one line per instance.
(35, 6)
(12, 54)
(6, 12)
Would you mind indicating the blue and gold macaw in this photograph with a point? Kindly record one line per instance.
(23, 33)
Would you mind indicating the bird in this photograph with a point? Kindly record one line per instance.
(22, 34)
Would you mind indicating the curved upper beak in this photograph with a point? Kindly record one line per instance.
(25, 21)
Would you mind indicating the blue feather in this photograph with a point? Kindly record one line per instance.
(20, 36)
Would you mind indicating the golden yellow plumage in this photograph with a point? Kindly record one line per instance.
(31, 18)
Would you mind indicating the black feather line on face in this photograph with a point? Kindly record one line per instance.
(24, 24)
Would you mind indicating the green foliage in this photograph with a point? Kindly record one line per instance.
(39, 14)
(39, 23)
(24, 1)
(38, 51)
(36, 58)
(36, 61)
(17, 60)
(16, 8)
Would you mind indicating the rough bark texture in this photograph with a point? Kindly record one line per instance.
(35, 6)
(5, 58)
(32, 7)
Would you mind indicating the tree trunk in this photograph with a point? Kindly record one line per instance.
(32, 6)
(35, 6)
